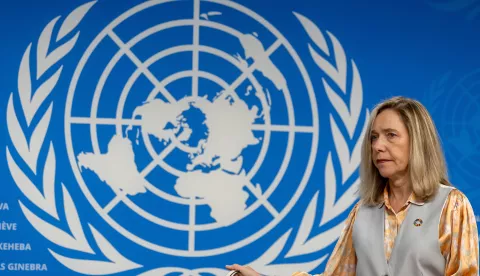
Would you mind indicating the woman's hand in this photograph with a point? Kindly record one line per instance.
(245, 270)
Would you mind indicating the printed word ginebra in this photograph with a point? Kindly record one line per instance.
(23, 267)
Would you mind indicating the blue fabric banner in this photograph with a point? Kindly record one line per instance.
(170, 137)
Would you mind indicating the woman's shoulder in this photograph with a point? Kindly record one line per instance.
(458, 210)
(457, 200)
(454, 193)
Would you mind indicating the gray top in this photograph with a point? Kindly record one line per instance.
(416, 250)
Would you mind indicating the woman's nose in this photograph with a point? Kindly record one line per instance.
(378, 145)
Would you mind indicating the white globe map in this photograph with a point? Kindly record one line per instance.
(225, 134)
(227, 137)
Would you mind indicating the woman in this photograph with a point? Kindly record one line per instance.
(409, 220)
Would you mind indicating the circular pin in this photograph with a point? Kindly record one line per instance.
(418, 222)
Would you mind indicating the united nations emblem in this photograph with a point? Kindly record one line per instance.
(183, 130)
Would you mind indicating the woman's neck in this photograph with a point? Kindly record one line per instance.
(399, 192)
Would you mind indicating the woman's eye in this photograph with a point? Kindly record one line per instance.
(373, 137)
(391, 135)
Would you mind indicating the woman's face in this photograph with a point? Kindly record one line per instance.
(390, 145)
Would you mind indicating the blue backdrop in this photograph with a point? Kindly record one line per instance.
(174, 137)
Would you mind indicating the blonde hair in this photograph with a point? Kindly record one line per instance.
(426, 166)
